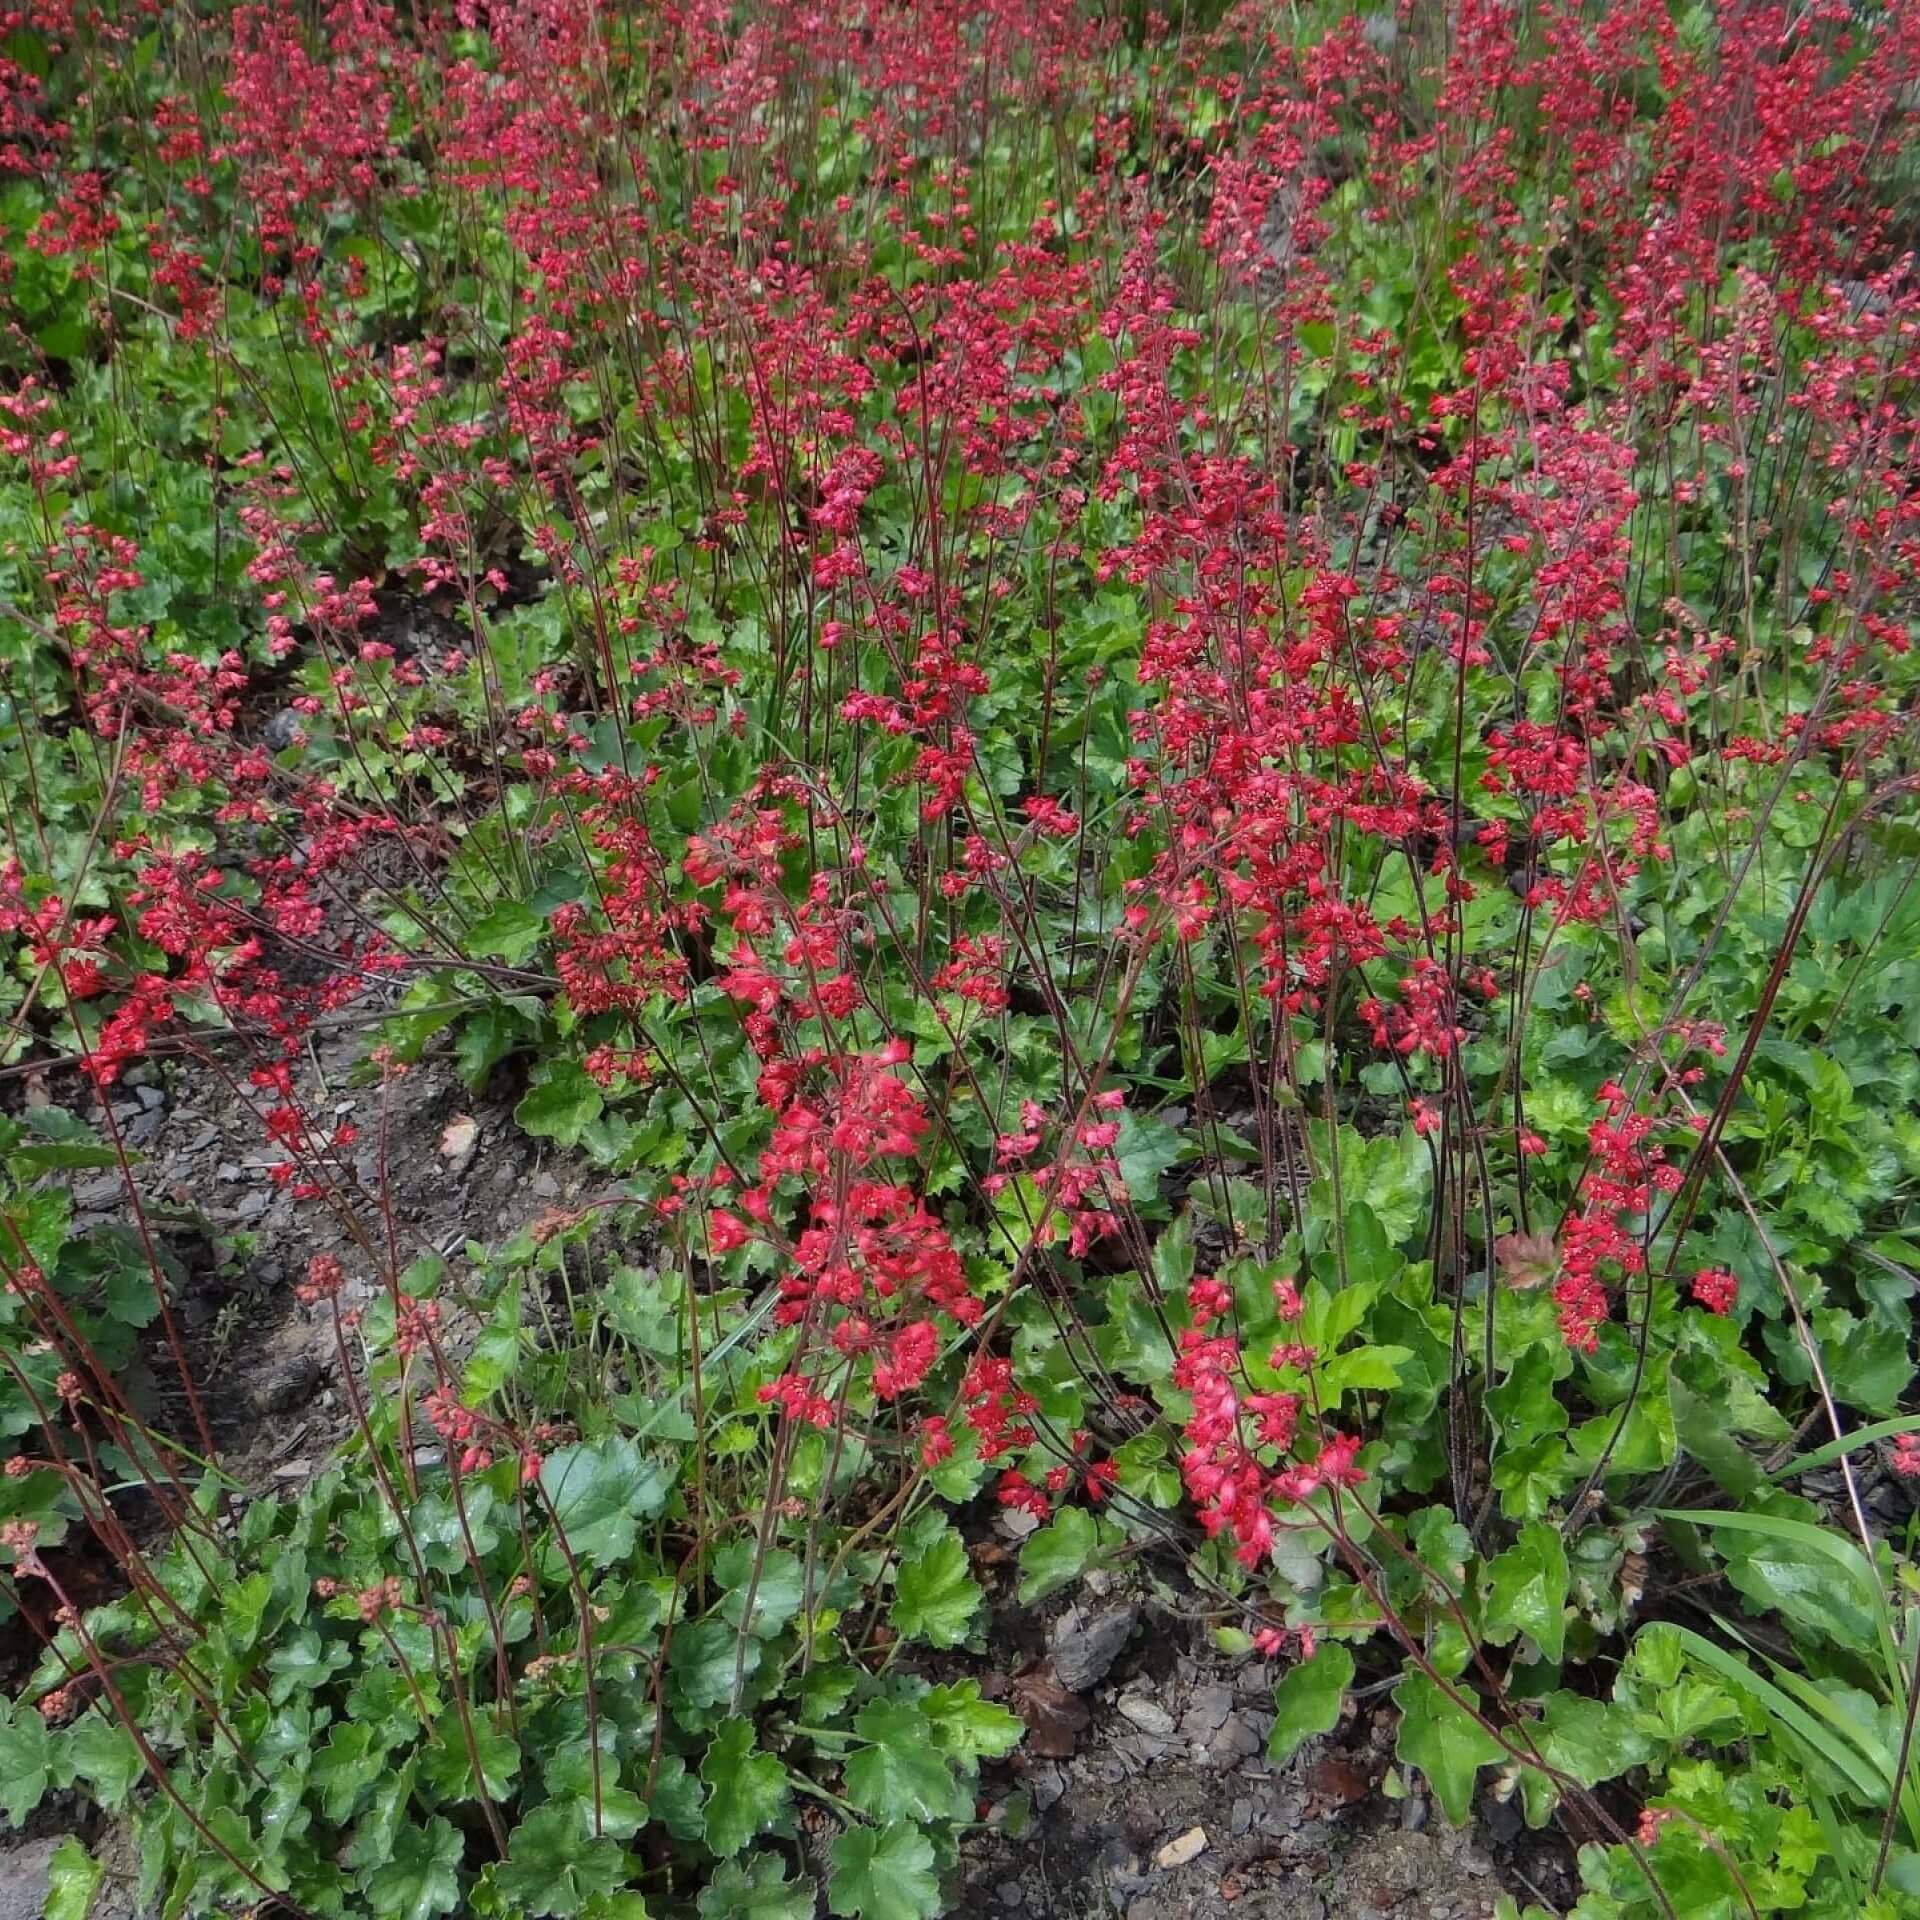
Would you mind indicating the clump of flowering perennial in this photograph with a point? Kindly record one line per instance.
(984, 638)
(1244, 1466)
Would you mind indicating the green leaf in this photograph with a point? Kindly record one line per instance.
(757, 1890)
(675, 1802)
(1441, 1544)
(936, 1598)
(554, 1865)
(1869, 1366)
(1811, 1576)
(345, 1768)
(1531, 1477)
(1369, 1369)
(447, 1765)
(510, 932)
(303, 1662)
(903, 1775)
(103, 1753)
(1173, 1254)
(1056, 1554)
(561, 1105)
(747, 1790)
(1524, 1404)
(73, 1878)
(1147, 1147)
(1646, 1438)
(420, 1877)
(24, 1754)
(1590, 1740)
(704, 1660)
(599, 1490)
(1702, 1429)
(776, 1589)
(1527, 1591)
(486, 1037)
(61, 1156)
(1308, 1700)
(883, 1876)
(1444, 1741)
(969, 1728)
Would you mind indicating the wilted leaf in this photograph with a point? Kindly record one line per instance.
(1055, 1716)
(1526, 1260)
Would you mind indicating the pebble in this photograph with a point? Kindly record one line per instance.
(1234, 1742)
(458, 1142)
(1084, 1645)
(1011, 1892)
(1123, 1869)
(1148, 1715)
(1241, 1818)
(1177, 1852)
(1207, 1710)
(23, 1879)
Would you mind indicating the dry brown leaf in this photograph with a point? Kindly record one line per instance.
(1055, 1717)
(1526, 1260)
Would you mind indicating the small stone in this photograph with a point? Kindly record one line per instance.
(23, 1879)
(1235, 1741)
(1085, 1645)
(152, 1098)
(1047, 1783)
(1148, 1715)
(227, 1170)
(1122, 1869)
(544, 1186)
(1241, 1817)
(1011, 1893)
(1207, 1710)
(1136, 1752)
(1176, 1853)
(457, 1142)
